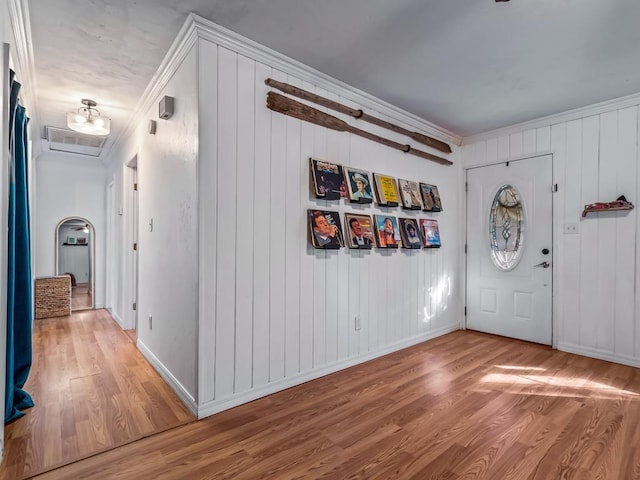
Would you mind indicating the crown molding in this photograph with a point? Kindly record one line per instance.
(178, 51)
(196, 27)
(224, 37)
(21, 27)
(562, 117)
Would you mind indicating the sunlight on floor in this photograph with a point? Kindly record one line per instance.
(553, 386)
(513, 367)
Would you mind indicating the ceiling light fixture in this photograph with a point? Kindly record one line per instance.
(87, 120)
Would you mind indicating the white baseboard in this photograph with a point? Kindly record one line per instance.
(599, 354)
(209, 408)
(115, 316)
(168, 377)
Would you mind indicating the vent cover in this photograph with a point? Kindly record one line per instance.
(68, 141)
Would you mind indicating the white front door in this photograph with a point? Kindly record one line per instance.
(509, 249)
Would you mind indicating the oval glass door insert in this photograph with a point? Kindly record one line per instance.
(506, 228)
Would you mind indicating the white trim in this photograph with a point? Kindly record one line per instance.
(116, 317)
(21, 27)
(172, 381)
(201, 239)
(554, 232)
(563, 117)
(599, 354)
(525, 156)
(179, 50)
(196, 27)
(555, 250)
(92, 253)
(209, 408)
(219, 35)
(464, 240)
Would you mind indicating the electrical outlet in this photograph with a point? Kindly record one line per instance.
(150, 322)
(357, 322)
(571, 228)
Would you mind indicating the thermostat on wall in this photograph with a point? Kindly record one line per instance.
(165, 108)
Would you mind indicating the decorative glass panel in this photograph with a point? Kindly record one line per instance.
(506, 228)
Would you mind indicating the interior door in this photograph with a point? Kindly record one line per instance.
(509, 249)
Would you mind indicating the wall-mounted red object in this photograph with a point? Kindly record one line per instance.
(620, 203)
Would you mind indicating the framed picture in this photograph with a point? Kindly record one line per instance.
(387, 234)
(410, 232)
(72, 240)
(386, 190)
(430, 232)
(328, 180)
(325, 230)
(359, 185)
(410, 193)
(359, 230)
(430, 198)
(82, 240)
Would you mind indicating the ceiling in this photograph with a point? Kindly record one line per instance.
(468, 66)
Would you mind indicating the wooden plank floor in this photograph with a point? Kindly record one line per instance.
(463, 406)
(93, 391)
(80, 297)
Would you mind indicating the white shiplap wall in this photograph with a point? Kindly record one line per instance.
(274, 312)
(595, 158)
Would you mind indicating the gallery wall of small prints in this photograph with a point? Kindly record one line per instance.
(333, 181)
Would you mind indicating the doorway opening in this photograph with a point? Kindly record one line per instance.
(75, 256)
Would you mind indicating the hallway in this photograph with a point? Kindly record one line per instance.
(93, 391)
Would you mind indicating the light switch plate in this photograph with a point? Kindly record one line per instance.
(571, 228)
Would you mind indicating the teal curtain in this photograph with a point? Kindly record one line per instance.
(19, 289)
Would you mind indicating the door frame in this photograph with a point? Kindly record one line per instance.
(135, 222)
(109, 294)
(92, 255)
(555, 231)
(130, 283)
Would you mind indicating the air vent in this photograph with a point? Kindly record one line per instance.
(68, 141)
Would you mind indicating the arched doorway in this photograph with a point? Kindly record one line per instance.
(75, 255)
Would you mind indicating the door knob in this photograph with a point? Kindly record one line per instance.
(543, 265)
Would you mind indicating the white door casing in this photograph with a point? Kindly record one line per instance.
(516, 301)
(136, 241)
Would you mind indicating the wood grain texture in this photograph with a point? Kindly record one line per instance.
(93, 390)
(463, 406)
(287, 106)
(357, 113)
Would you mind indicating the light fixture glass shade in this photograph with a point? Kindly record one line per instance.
(88, 120)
